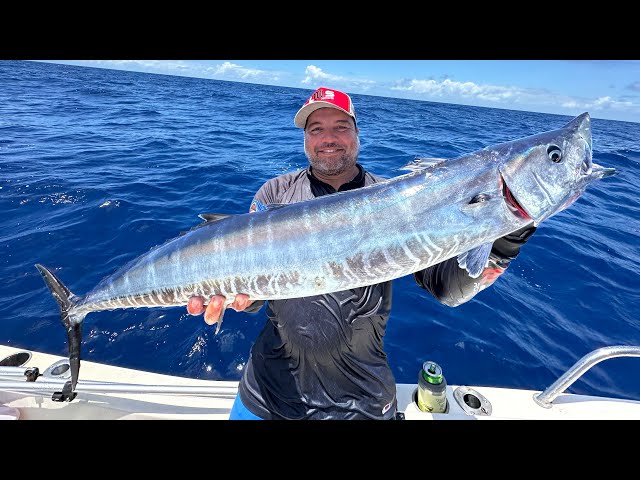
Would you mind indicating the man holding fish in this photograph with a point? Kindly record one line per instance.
(322, 356)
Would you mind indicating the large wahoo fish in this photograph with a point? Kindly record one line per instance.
(439, 210)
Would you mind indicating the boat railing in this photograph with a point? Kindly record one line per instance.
(56, 376)
(546, 398)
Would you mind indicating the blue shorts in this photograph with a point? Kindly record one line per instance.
(240, 412)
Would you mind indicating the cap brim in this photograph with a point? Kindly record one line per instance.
(300, 120)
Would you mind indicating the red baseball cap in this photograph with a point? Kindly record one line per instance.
(324, 97)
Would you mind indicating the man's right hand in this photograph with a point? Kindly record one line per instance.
(213, 309)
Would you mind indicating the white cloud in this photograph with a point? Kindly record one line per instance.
(228, 71)
(601, 103)
(316, 76)
(448, 88)
(155, 66)
(223, 71)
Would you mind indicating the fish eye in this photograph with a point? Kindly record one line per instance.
(481, 197)
(555, 154)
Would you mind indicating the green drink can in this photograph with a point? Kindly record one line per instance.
(432, 388)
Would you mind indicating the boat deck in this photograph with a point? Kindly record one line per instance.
(107, 392)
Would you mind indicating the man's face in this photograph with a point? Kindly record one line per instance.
(331, 141)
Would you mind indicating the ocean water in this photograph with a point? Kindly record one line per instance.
(98, 166)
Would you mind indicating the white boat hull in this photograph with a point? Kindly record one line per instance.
(140, 395)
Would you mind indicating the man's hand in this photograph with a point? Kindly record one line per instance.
(508, 246)
(213, 309)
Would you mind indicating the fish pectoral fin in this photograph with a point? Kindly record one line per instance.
(475, 260)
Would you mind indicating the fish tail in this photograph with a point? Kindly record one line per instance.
(71, 322)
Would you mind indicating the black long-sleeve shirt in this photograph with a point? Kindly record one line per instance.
(322, 357)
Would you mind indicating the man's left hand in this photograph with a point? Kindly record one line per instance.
(509, 245)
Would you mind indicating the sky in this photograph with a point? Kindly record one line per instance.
(607, 89)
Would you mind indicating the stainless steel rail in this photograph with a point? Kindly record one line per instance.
(16, 379)
(546, 398)
(53, 385)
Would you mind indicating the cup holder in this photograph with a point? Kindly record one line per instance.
(415, 402)
(472, 401)
(15, 359)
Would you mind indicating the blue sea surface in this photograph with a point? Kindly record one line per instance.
(98, 166)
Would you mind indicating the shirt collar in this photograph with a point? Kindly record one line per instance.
(319, 188)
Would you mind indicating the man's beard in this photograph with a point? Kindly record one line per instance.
(333, 167)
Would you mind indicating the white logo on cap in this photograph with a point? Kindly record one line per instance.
(322, 95)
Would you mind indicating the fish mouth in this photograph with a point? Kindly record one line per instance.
(511, 200)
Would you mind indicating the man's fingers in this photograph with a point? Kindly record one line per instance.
(214, 309)
(195, 305)
(241, 302)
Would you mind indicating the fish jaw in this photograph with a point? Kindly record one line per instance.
(547, 172)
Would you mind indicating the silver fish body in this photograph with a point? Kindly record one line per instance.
(355, 238)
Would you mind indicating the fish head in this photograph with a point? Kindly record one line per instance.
(546, 173)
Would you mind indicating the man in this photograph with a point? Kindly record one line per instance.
(322, 357)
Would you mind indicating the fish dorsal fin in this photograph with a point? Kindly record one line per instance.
(475, 260)
(208, 218)
(422, 162)
(213, 217)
